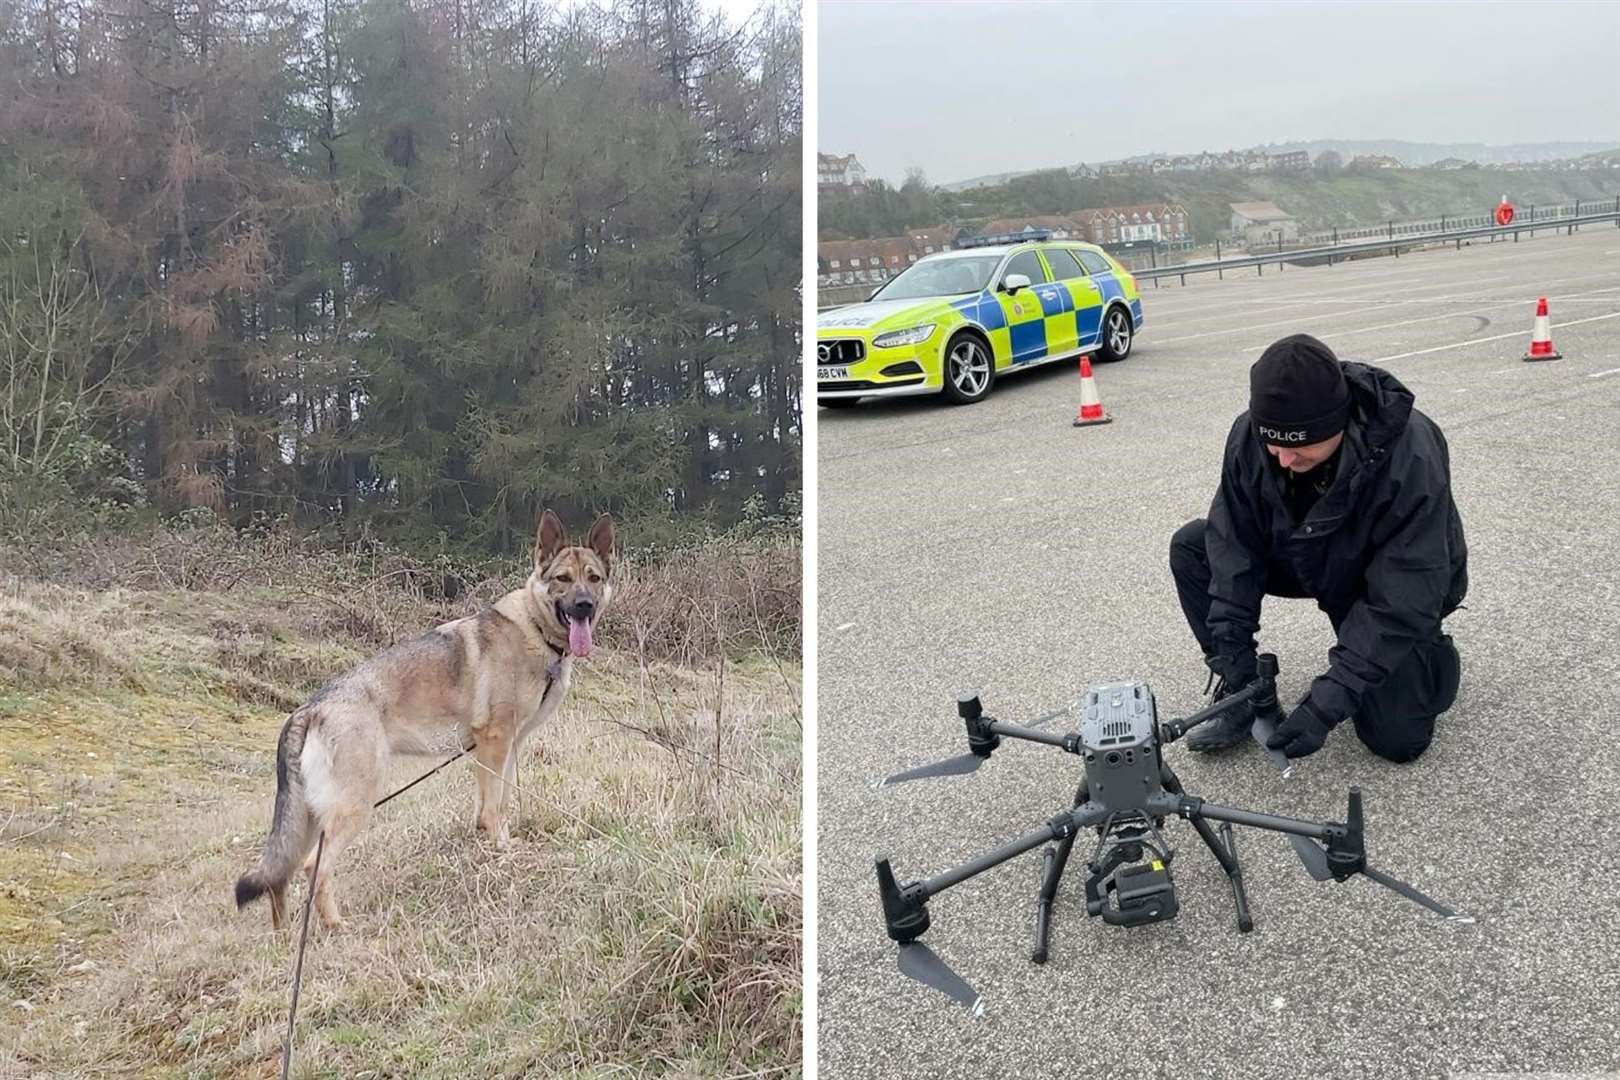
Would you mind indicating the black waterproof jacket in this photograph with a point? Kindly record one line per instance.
(1382, 550)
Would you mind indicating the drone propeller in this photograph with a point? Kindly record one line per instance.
(1315, 858)
(920, 962)
(960, 765)
(1412, 894)
(1313, 855)
(1263, 729)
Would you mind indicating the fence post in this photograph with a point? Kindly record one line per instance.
(1393, 249)
(1577, 214)
(1532, 221)
(1221, 274)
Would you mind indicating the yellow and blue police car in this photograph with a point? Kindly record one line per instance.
(953, 322)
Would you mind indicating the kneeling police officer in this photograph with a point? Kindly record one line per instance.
(1333, 487)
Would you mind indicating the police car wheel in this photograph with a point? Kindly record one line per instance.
(969, 371)
(838, 402)
(1117, 334)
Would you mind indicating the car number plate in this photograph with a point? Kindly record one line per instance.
(832, 374)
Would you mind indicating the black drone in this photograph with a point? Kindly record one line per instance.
(1127, 792)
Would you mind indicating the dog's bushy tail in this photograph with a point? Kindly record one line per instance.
(289, 822)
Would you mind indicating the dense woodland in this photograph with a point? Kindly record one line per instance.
(410, 268)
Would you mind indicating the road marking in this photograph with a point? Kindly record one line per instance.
(1494, 306)
(1514, 261)
(1481, 341)
(1279, 322)
(1328, 296)
(1463, 298)
(1172, 317)
(1600, 374)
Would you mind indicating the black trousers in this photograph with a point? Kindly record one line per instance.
(1396, 720)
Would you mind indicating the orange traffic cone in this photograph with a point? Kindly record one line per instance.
(1091, 410)
(1541, 346)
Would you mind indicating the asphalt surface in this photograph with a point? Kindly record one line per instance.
(998, 548)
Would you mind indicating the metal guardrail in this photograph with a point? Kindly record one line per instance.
(1392, 242)
(1530, 213)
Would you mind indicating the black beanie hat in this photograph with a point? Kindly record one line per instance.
(1297, 393)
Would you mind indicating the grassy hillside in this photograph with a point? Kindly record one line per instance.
(1347, 200)
(647, 919)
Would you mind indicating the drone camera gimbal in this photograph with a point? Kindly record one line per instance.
(1125, 795)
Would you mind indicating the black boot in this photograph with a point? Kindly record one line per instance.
(1227, 729)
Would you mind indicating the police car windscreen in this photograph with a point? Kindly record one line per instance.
(941, 277)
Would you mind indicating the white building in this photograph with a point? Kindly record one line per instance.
(1263, 223)
(833, 171)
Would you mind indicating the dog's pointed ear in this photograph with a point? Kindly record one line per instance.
(601, 539)
(549, 541)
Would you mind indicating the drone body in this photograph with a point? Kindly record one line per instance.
(1119, 744)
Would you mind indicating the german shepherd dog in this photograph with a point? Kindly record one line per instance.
(485, 682)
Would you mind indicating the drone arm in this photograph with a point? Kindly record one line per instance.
(984, 734)
(1070, 742)
(1262, 691)
(1063, 825)
(1192, 808)
(905, 906)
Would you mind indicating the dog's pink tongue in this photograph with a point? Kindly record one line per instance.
(579, 637)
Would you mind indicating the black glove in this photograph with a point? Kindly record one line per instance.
(1235, 670)
(1304, 732)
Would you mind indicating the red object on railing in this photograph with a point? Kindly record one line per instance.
(1504, 213)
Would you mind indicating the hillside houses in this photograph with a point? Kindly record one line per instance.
(872, 262)
(1373, 161)
(1109, 226)
(1257, 161)
(1251, 161)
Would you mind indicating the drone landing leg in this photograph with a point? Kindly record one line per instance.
(1051, 873)
(1223, 847)
(1055, 860)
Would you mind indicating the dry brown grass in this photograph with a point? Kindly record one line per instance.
(687, 606)
(647, 921)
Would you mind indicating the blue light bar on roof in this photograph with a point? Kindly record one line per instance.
(1005, 238)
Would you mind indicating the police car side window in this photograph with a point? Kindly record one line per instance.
(1094, 262)
(1063, 265)
(1027, 264)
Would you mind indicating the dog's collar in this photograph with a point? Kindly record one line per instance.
(545, 639)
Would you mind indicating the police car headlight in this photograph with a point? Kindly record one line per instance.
(915, 336)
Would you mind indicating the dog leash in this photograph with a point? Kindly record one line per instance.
(298, 968)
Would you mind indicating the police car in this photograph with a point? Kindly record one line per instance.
(954, 322)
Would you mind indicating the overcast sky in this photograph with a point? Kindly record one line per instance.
(969, 88)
